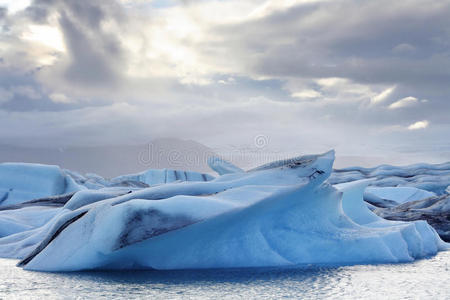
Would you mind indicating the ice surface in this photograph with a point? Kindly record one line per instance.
(433, 178)
(398, 195)
(280, 214)
(20, 182)
(153, 177)
(435, 210)
(140, 180)
(416, 192)
(23, 219)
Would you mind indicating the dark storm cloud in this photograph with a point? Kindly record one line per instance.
(90, 13)
(3, 12)
(376, 43)
(352, 39)
(94, 55)
(89, 63)
(39, 11)
(93, 58)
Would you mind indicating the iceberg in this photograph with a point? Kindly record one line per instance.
(153, 177)
(430, 177)
(140, 180)
(435, 210)
(23, 182)
(391, 196)
(283, 213)
(20, 182)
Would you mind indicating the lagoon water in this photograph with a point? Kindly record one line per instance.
(423, 279)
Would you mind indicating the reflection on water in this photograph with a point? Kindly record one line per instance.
(426, 278)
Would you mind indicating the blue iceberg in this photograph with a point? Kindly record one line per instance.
(281, 214)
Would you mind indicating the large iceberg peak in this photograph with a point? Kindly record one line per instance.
(324, 161)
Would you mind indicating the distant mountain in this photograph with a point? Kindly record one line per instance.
(111, 161)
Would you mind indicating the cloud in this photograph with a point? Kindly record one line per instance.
(306, 94)
(5, 95)
(91, 65)
(15, 6)
(27, 91)
(60, 98)
(3, 12)
(407, 101)
(313, 40)
(45, 35)
(419, 125)
(403, 48)
(383, 95)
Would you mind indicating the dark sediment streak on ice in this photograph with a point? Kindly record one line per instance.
(143, 225)
(55, 201)
(49, 239)
(434, 210)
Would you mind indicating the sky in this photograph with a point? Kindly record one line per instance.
(367, 78)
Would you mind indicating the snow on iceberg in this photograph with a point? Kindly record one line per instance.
(280, 214)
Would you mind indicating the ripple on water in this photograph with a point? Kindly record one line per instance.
(423, 279)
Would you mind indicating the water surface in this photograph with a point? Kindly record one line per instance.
(423, 279)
